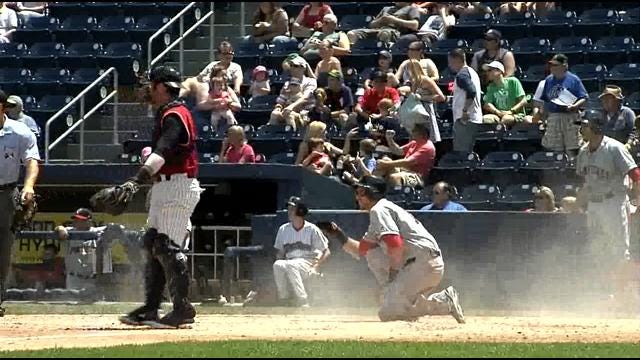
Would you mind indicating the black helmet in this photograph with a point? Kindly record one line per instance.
(301, 207)
(373, 184)
(166, 75)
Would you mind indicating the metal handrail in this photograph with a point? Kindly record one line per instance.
(163, 28)
(179, 41)
(80, 97)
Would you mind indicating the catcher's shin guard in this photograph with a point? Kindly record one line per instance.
(176, 273)
(154, 278)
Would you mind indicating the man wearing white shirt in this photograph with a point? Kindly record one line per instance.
(467, 110)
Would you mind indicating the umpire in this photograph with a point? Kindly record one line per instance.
(18, 146)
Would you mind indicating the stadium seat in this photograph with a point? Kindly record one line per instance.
(501, 167)
(113, 29)
(287, 158)
(479, 197)
(172, 8)
(139, 9)
(277, 53)
(611, 50)
(62, 8)
(455, 167)
(12, 80)
(34, 29)
(422, 198)
(74, 28)
(80, 54)
(248, 53)
(593, 102)
(147, 26)
(400, 195)
(42, 54)
(440, 50)
(595, 23)
(351, 78)
(489, 137)
(47, 81)
(633, 102)
(530, 51)
(275, 131)
(257, 110)
(590, 74)
(628, 23)
(123, 56)
(574, 47)
(471, 26)
(517, 197)
(561, 191)
(547, 160)
(626, 76)
(531, 77)
(11, 54)
(363, 54)
(103, 9)
(555, 22)
(48, 105)
(292, 9)
(350, 22)
(514, 25)
(340, 10)
(82, 77)
(524, 132)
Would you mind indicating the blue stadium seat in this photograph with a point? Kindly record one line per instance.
(341, 9)
(524, 137)
(628, 23)
(514, 25)
(293, 9)
(62, 8)
(12, 80)
(422, 198)
(122, 56)
(169, 8)
(479, 197)
(46, 81)
(517, 197)
(275, 131)
(74, 28)
(287, 158)
(471, 26)
(248, 53)
(400, 195)
(350, 22)
(139, 9)
(34, 29)
(590, 74)
(554, 23)
(276, 53)
(102, 9)
(363, 54)
(489, 136)
(502, 160)
(626, 76)
(42, 54)
(49, 105)
(257, 110)
(593, 102)
(611, 50)
(113, 29)
(440, 50)
(455, 167)
(11, 54)
(595, 23)
(147, 26)
(82, 77)
(530, 51)
(547, 160)
(574, 47)
(633, 102)
(80, 54)
(351, 78)
(531, 77)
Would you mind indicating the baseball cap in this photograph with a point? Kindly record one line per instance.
(559, 59)
(258, 69)
(613, 90)
(493, 65)
(82, 214)
(335, 73)
(386, 54)
(16, 101)
(593, 118)
(298, 61)
(374, 184)
(493, 34)
(166, 75)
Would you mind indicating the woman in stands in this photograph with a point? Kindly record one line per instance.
(544, 201)
(327, 63)
(310, 19)
(270, 24)
(416, 52)
(318, 130)
(233, 71)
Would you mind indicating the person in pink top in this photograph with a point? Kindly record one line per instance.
(418, 158)
(235, 149)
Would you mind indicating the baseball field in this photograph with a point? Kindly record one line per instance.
(35, 330)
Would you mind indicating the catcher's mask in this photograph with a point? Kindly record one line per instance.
(301, 208)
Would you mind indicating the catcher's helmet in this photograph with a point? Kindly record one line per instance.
(167, 75)
(301, 207)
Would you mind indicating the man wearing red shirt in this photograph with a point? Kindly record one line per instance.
(235, 149)
(419, 157)
(368, 103)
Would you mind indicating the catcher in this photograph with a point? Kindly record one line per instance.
(172, 167)
(18, 145)
(403, 256)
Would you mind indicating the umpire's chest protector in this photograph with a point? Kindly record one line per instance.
(184, 157)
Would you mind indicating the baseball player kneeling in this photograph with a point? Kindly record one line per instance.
(403, 256)
(302, 248)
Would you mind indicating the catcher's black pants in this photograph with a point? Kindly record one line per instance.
(166, 264)
(7, 236)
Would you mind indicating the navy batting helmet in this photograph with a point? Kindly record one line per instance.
(301, 207)
(594, 119)
(167, 75)
(373, 185)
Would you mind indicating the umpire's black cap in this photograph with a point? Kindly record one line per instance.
(166, 75)
(373, 184)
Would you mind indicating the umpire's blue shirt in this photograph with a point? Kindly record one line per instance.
(17, 145)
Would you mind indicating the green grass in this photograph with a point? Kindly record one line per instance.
(306, 349)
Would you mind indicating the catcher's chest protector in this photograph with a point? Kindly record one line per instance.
(184, 157)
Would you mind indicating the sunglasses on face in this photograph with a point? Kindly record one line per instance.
(228, 53)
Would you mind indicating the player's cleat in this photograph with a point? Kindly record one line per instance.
(2, 311)
(222, 300)
(454, 304)
(138, 316)
(174, 320)
(251, 298)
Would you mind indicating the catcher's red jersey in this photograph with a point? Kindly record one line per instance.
(183, 158)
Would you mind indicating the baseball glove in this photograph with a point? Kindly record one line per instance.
(114, 200)
(332, 231)
(24, 213)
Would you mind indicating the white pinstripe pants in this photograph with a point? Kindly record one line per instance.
(171, 205)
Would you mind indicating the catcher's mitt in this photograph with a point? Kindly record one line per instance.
(114, 200)
(24, 213)
(332, 231)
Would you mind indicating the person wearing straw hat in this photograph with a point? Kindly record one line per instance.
(618, 118)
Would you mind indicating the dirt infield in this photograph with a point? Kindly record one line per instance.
(30, 332)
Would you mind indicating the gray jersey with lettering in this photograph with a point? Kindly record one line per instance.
(604, 170)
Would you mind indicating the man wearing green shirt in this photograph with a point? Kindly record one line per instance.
(505, 98)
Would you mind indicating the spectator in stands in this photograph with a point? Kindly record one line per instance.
(544, 201)
(416, 52)
(221, 103)
(384, 65)
(505, 99)
(418, 158)
(392, 22)
(467, 111)
(442, 194)
(493, 52)
(363, 164)
(309, 19)
(633, 144)
(14, 111)
(320, 111)
(260, 85)
(315, 129)
(233, 72)
(386, 118)
(436, 26)
(270, 24)
(562, 134)
(368, 103)
(290, 94)
(568, 204)
(427, 90)
(49, 274)
(29, 10)
(540, 8)
(339, 40)
(235, 149)
(302, 249)
(318, 161)
(298, 67)
(618, 118)
(326, 64)
(512, 7)
(469, 8)
(339, 98)
(8, 23)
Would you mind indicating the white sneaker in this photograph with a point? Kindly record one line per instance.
(222, 300)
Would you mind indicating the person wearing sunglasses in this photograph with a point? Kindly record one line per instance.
(442, 195)
(493, 51)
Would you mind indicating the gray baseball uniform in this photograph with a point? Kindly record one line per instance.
(412, 293)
